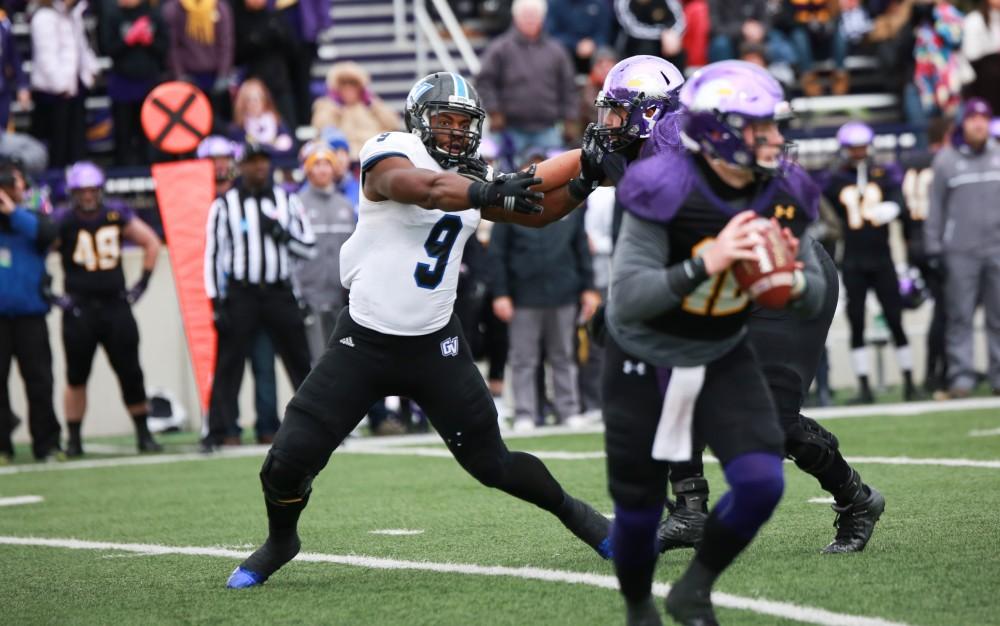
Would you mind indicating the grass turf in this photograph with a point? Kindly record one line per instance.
(935, 557)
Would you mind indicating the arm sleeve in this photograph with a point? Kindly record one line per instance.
(498, 260)
(934, 225)
(303, 241)
(642, 285)
(215, 238)
(811, 301)
(25, 223)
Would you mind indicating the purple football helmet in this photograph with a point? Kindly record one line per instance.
(83, 175)
(721, 100)
(216, 146)
(637, 93)
(855, 135)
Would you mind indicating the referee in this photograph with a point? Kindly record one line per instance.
(253, 232)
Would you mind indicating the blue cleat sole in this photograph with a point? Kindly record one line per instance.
(242, 578)
(604, 549)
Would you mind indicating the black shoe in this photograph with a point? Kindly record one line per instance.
(146, 443)
(74, 449)
(682, 528)
(864, 397)
(855, 523)
(588, 525)
(642, 613)
(691, 606)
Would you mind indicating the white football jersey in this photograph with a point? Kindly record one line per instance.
(401, 265)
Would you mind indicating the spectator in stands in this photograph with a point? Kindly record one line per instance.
(62, 63)
(927, 55)
(134, 35)
(307, 19)
(736, 23)
(528, 86)
(654, 27)
(962, 237)
(814, 30)
(695, 39)
(543, 286)
(25, 237)
(266, 49)
(344, 178)
(13, 80)
(256, 119)
(202, 45)
(332, 217)
(981, 48)
(604, 59)
(352, 106)
(582, 26)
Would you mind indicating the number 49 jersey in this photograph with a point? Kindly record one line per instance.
(401, 265)
(90, 245)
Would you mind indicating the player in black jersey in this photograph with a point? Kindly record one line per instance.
(867, 197)
(679, 366)
(97, 304)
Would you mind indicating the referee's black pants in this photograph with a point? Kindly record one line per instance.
(27, 339)
(248, 309)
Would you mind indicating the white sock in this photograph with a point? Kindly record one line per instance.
(859, 360)
(904, 358)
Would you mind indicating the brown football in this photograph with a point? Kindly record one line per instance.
(768, 279)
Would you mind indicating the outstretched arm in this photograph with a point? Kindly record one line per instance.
(396, 178)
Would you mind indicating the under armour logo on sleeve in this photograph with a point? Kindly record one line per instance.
(637, 367)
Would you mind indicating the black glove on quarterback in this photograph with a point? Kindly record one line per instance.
(475, 168)
(509, 192)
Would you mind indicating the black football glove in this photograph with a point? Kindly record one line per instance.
(509, 192)
(133, 294)
(592, 155)
(475, 168)
(220, 316)
(271, 226)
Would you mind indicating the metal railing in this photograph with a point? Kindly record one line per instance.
(426, 36)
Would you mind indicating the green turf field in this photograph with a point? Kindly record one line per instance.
(934, 559)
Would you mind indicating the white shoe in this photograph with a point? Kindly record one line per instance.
(584, 420)
(523, 425)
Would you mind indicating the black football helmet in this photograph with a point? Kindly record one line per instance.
(445, 92)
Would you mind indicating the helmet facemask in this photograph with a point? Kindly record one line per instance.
(621, 122)
(449, 143)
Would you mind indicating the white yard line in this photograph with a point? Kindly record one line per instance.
(19, 500)
(396, 532)
(150, 459)
(787, 610)
(992, 432)
(820, 500)
(563, 455)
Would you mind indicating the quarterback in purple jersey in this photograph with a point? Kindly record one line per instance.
(788, 348)
(97, 303)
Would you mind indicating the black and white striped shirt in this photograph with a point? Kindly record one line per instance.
(237, 250)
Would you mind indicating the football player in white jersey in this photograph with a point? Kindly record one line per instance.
(423, 194)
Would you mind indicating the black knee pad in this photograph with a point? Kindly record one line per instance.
(811, 446)
(284, 482)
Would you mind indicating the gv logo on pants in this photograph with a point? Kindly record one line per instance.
(449, 347)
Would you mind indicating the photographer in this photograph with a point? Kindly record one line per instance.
(24, 238)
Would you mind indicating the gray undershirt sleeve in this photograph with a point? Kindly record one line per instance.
(643, 286)
(809, 303)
